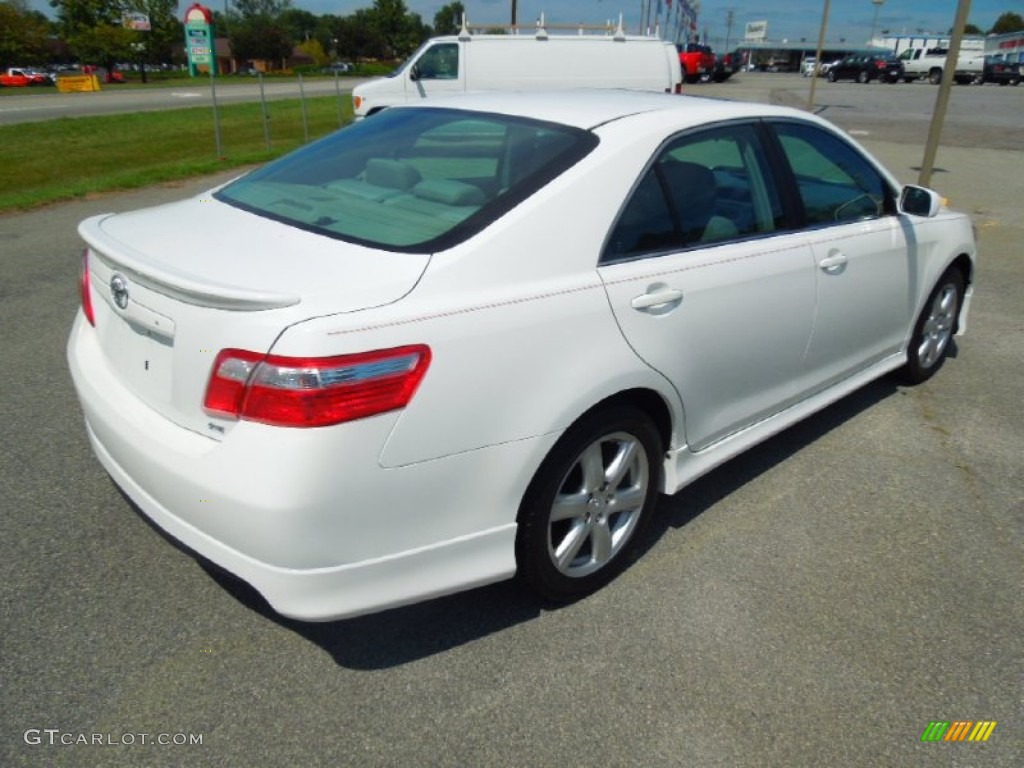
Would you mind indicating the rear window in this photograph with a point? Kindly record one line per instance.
(415, 180)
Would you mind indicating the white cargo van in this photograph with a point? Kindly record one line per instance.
(538, 61)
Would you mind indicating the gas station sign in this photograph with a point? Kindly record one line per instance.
(199, 39)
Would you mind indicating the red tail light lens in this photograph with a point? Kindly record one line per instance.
(85, 289)
(314, 391)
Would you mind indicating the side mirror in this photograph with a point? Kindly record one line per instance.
(414, 72)
(919, 201)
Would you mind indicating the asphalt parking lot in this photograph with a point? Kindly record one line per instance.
(817, 601)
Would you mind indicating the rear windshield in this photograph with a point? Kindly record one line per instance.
(415, 180)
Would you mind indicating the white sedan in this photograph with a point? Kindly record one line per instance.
(477, 338)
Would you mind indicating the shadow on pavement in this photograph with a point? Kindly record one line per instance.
(403, 635)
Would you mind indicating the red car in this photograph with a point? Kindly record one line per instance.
(697, 61)
(19, 77)
(105, 75)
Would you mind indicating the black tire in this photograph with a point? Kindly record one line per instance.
(1014, 81)
(933, 332)
(863, 77)
(832, 77)
(935, 76)
(909, 79)
(608, 509)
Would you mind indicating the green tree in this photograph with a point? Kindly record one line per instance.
(23, 34)
(163, 42)
(94, 31)
(448, 20)
(400, 30)
(315, 51)
(256, 31)
(1008, 22)
(355, 37)
(970, 29)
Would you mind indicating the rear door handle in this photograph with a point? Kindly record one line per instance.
(657, 301)
(834, 263)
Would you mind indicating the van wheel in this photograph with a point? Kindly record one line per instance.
(584, 509)
(933, 331)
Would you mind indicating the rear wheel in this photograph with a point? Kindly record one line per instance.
(934, 329)
(863, 77)
(588, 502)
(1014, 80)
(935, 76)
(832, 76)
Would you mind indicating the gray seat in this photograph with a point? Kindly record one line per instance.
(695, 196)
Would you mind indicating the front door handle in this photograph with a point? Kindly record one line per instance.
(657, 301)
(834, 263)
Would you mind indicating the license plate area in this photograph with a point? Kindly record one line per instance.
(141, 357)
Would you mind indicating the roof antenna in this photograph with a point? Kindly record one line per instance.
(620, 33)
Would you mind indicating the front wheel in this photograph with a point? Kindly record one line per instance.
(863, 77)
(832, 76)
(585, 507)
(934, 329)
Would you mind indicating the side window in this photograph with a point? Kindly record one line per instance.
(439, 62)
(836, 183)
(706, 187)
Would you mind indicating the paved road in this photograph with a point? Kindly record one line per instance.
(816, 602)
(977, 116)
(35, 106)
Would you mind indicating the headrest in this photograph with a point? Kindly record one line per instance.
(449, 192)
(393, 174)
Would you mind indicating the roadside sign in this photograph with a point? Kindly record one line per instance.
(199, 40)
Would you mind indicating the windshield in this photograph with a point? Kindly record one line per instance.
(415, 55)
(416, 180)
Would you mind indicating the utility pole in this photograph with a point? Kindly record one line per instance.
(817, 59)
(729, 17)
(931, 148)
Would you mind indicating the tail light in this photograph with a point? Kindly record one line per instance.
(85, 289)
(314, 391)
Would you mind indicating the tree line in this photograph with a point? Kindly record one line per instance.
(91, 31)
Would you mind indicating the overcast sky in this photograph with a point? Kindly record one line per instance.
(791, 20)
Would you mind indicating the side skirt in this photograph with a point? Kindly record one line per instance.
(683, 466)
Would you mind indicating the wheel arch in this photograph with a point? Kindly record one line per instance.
(965, 265)
(645, 400)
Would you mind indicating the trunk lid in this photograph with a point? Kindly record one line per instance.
(174, 285)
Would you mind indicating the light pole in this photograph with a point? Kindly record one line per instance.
(874, 21)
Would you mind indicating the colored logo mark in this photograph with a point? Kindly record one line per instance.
(958, 730)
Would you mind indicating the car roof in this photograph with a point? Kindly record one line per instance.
(590, 108)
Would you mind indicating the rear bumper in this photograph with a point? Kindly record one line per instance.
(309, 517)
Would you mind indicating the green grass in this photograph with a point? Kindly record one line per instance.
(47, 162)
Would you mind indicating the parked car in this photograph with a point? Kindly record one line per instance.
(998, 70)
(22, 77)
(864, 69)
(725, 67)
(338, 67)
(826, 66)
(697, 62)
(809, 66)
(108, 76)
(403, 363)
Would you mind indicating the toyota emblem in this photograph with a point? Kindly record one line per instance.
(119, 290)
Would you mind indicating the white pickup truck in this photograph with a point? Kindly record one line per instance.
(930, 63)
